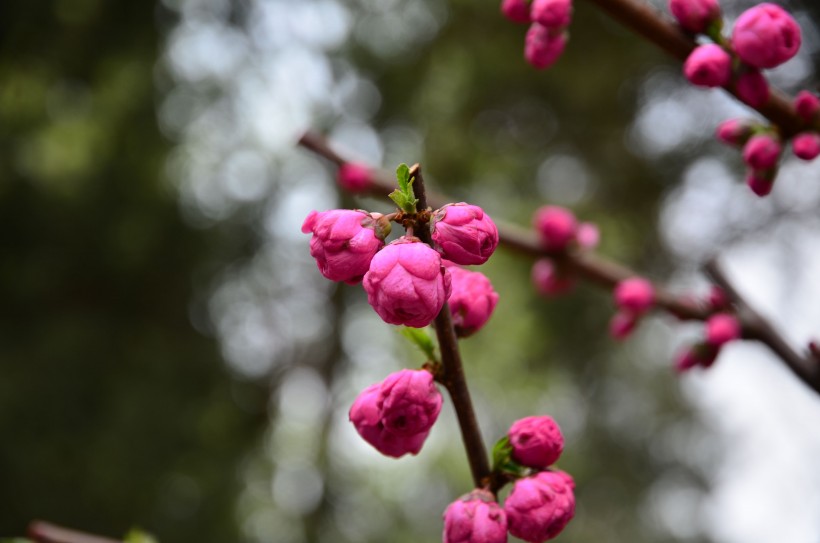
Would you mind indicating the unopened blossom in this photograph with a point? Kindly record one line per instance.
(806, 145)
(622, 324)
(766, 36)
(464, 234)
(760, 181)
(410, 402)
(635, 295)
(762, 151)
(702, 355)
(472, 300)
(542, 46)
(722, 328)
(735, 131)
(540, 506)
(553, 14)
(708, 66)
(475, 518)
(556, 227)
(807, 105)
(549, 279)
(344, 241)
(588, 235)
(695, 15)
(536, 441)
(517, 11)
(354, 177)
(717, 298)
(366, 416)
(406, 283)
(752, 88)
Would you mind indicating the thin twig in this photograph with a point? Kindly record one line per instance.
(45, 532)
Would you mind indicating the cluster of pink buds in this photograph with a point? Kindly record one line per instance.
(547, 36)
(764, 36)
(806, 144)
(721, 328)
(541, 502)
(634, 297)
(559, 231)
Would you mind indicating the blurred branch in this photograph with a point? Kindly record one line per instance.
(755, 326)
(45, 532)
(607, 273)
(645, 20)
(452, 376)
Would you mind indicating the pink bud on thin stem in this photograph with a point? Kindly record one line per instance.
(762, 151)
(806, 145)
(552, 14)
(695, 15)
(635, 295)
(766, 36)
(807, 105)
(735, 131)
(549, 280)
(556, 227)
(464, 234)
(721, 329)
(536, 441)
(472, 301)
(708, 66)
(517, 11)
(542, 47)
(622, 324)
(760, 181)
(355, 177)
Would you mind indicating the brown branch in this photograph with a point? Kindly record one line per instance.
(643, 19)
(756, 326)
(452, 376)
(45, 532)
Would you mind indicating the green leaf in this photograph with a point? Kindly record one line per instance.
(404, 196)
(502, 451)
(135, 535)
(421, 339)
(403, 177)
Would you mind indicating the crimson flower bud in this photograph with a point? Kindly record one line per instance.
(540, 506)
(695, 15)
(556, 226)
(548, 279)
(536, 441)
(635, 295)
(762, 151)
(344, 242)
(760, 181)
(406, 283)
(464, 234)
(752, 88)
(708, 66)
(588, 235)
(735, 131)
(553, 14)
(806, 145)
(472, 300)
(354, 177)
(702, 354)
(807, 105)
(766, 36)
(622, 324)
(543, 47)
(410, 402)
(517, 11)
(366, 416)
(475, 518)
(722, 328)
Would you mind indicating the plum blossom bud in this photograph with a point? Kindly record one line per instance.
(717, 298)
(807, 105)
(472, 300)
(366, 416)
(762, 151)
(622, 324)
(735, 131)
(542, 48)
(540, 506)
(708, 66)
(702, 354)
(556, 226)
(695, 15)
(806, 145)
(410, 402)
(517, 11)
(536, 441)
(635, 295)
(344, 241)
(354, 177)
(464, 234)
(406, 283)
(722, 328)
(475, 518)
(751, 87)
(553, 14)
(760, 181)
(766, 36)
(548, 279)
(588, 235)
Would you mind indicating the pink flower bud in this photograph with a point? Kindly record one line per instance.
(536, 441)
(807, 105)
(695, 15)
(472, 301)
(366, 416)
(752, 88)
(766, 36)
(517, 11)
(717, 298)
(464, 233)
(635, 295)
(553, 14)
(806, 145)
(410, 402)
(556, 226)
(344, 242)
(475, 518)
(722, 328)
(760, 181)
(622, 324)
(588, 235)
(548, 279)
(540, 506)
(354, 177)
(708, 66)
(762, 151)
(542, 48)
(702, 354)
(735, 131)
(406, 283)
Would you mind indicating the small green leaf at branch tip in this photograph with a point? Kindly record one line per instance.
(503, 462)
(135, 535)
(404, 197)
(421, 339)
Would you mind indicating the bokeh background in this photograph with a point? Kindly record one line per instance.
(171, 358)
